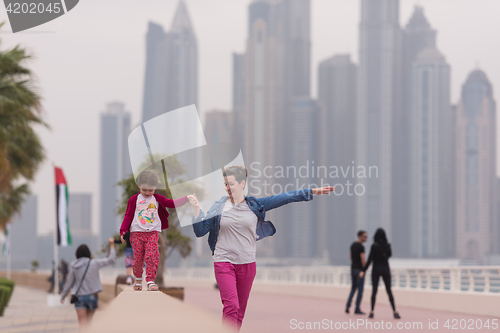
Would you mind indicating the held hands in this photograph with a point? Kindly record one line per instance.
(123, 240)
(361, 274)
(193, 200)
(111, 242)
(323, 190)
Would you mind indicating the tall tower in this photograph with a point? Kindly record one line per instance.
(115, 165)
(337, 79)
(417, 36)
(431, 118)
(475, 174)
(378, 110)
(171, 79)
(264, 84)
(155, 84)
(182, 61)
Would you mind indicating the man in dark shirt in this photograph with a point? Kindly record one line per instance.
(358, 261)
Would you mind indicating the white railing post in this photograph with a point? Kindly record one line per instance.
(486, 281)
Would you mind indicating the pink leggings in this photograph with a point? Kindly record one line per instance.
(235, 283)
(145, 246)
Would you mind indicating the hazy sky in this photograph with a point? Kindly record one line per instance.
(96, 54)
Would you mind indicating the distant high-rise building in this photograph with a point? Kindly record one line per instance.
(80, 212)
(378, 111)
(297, 34)
(337, 148)
(430, 170)
(302, 222)
(155, 82)
(115, 165)
(171, 80)
(476, 171)
(218, 126)
(416, 36)
(23, 235)
(239, 91)
(274, 70)
(182, 61)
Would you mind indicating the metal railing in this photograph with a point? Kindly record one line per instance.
(464, 279)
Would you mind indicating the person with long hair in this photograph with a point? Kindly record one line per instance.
(84, 281)
(380, 253)
(235, 223)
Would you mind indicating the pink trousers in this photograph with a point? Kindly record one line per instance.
(145, 246)
(235, 283)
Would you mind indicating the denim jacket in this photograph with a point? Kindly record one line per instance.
(211, 222)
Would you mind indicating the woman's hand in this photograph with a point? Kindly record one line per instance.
(193, 200)
(111, 242)
(323, 190)
(62, 301)
(121, 237)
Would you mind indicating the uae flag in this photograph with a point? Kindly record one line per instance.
(63, 234)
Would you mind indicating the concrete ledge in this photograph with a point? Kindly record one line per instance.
(130, 311)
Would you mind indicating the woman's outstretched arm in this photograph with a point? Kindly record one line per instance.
(282, 199)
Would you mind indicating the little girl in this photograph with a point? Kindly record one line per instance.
(145, 218)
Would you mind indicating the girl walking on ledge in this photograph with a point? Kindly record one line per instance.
(145, 218)
(235, 223)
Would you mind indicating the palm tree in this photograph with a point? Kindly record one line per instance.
(21, 152)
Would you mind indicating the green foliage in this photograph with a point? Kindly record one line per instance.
(21, 152)
(6, 289)
(34, 265)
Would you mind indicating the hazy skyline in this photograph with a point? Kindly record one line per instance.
(95, 54)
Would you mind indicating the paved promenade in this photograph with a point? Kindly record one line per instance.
(266, 313)
(270, 313)
(28, 312)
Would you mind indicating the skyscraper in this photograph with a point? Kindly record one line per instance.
(238, 97)
(155, 82)
(182, 61)
(417, 36)
(430, 168)
(302, 150)
(378, 111)
(337, 147)
(80, 212)
(23, 235)
(115, 165)
(475, 173)
(171, 79)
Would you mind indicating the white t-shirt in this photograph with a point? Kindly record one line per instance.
(237, 242)
(146, 215)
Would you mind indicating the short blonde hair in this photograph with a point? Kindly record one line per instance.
(148, 177)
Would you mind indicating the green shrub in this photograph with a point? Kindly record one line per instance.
(10, 284)
(4, 292)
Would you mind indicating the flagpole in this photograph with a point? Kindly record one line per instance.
(8, 264)
(54, 266)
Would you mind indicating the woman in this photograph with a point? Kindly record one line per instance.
(379, 254)
(234, 224)
(90, 284)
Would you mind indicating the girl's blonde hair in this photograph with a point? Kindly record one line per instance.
(148, 177)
